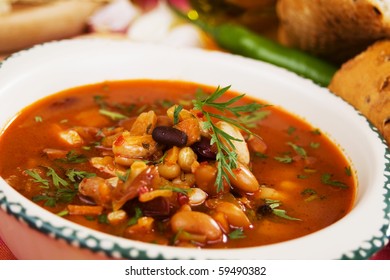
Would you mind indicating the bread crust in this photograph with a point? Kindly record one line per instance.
(333, 29)
(44, 22)
(364, 82)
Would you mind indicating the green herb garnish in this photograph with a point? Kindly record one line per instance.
(236, 234)
(125, 176)
(274, 204)
(327, 180)
(348, 170)
(299, 150)
(176, 189)
(99, 100)
(50, 201)
(252, 119)
(37, 178)
(138, 214)
(176, 114)
(260, 155)
(113, 115)
(291, 130)
(226, 156)
(284, 159)
(58, 189)
(308, 192)
(102, 219)
(76, 176)
(310, 195)
(63, 195)
(57, 180)
(63, 213)
(316, 131)
(166, 103)
(73, 157)
(314, 145)
(38, 119)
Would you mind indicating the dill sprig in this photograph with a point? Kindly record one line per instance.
(226, 155)
(274, 204)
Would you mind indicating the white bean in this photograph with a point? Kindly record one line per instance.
(197, 223)
(240, 146)
(235, 216)
(186, 158)
(244, 179)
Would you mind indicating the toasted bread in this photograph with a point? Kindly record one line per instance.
(30, 23)
(333, 29)
(364, 82)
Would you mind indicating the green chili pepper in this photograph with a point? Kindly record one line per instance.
(240, 40)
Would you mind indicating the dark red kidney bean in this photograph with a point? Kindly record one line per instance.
(169, 136)
(159, 208)
(203, 149)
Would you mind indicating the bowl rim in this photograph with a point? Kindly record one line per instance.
(80, 236)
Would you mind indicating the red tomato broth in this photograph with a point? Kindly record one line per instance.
(24, 140)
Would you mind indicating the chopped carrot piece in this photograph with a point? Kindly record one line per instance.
(85, 210)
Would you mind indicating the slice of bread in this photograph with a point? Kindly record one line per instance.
(364, 82)
(30, 23)
(333, 29)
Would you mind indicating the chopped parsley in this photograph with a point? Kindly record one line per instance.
(76, 176)
(252, 119)
(102, 219)
(299, 150)
(316, 131)
(166, 103)
(57, 180)
(236, 234)
(99, 100)
(260, 155)
(37, 178)
(176, 114)
(125, 176)
(73, 157)
(308, 192)
(274, 204)
(57, 189)
(176, 189)
(63, 213)
(348, 170)
(138, 214)
(113, 115)
(38, 119)
(310, 195)
(314, 145)
(326, 179)
(284, 159)
(291, 130)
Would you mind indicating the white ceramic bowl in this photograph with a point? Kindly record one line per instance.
(33, 233)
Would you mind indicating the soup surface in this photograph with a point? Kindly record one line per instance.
(176, 163)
